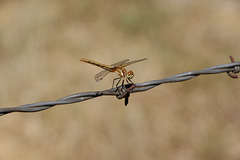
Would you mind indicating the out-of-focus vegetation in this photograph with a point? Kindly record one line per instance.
(41, 43)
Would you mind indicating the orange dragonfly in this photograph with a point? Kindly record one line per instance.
(118, 68)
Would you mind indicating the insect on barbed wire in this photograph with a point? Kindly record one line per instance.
(231, 69)
(118, 68)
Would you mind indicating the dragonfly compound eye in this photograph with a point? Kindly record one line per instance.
(130, 75)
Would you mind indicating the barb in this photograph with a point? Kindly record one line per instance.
(237, 69)
(231, 69)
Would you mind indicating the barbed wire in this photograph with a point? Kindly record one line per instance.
(124, 91)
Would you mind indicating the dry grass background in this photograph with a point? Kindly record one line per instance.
(41, 43)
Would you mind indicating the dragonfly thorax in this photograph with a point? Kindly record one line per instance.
(123, 73)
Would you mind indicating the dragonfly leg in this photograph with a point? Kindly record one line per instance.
(118, 82)
(129, 81)
(117, 87)
(115, 80)
(123, 86)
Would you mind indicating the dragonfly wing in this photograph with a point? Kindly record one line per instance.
(101, 75)
(120, 63)
(132, 62)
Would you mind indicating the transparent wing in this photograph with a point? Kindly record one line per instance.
(103, 73)
(132, 62)
(120, 63)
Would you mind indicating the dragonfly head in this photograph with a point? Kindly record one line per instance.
(130, 75)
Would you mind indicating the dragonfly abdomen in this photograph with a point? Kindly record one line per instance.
(106, 67)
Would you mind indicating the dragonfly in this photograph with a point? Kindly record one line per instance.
(118, 68)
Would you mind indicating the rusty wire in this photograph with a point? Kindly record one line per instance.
(231, 69)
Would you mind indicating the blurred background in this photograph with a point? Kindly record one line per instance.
(41, 43)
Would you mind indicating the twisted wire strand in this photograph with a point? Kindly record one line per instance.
(231, 69)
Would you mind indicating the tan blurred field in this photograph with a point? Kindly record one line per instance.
(41, 43)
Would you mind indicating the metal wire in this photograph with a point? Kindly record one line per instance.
(231, 69)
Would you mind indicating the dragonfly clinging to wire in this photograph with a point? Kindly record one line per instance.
(118, 68)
